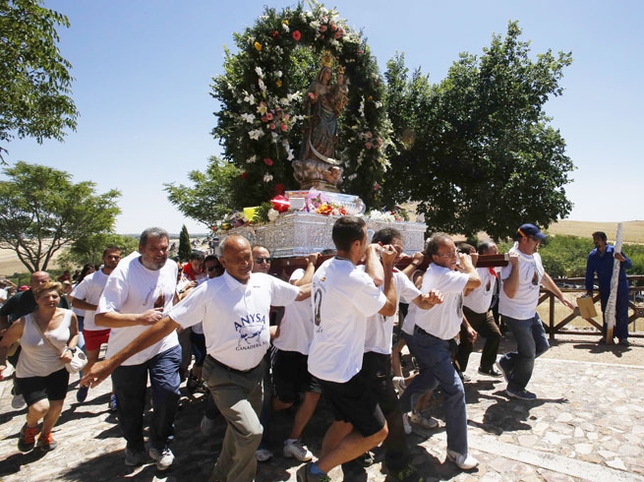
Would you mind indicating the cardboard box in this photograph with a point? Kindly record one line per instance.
(586, 307)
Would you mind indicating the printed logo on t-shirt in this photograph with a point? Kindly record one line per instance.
(250, 329)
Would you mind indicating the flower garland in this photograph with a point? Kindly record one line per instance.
(262, 93)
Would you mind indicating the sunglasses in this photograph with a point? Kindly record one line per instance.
(263, 260)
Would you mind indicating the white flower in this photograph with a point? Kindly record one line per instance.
(278, 74)
(352, 176)
(275, 136)
(268, 178)
(378, 104)
(259, 72)
(255, 134)
(251, 160)
(290, 156)
(250, 118)
(335, 43)
(286, 28)
(250, 98)
(272, 214)
(261, 84)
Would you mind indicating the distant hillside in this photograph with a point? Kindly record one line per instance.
(633, 231)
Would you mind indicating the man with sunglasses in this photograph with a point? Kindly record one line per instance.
(518, 301)
(433, 342)
(262, 258)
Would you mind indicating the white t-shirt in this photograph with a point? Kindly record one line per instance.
(524, 304)
(37, 357)
(235, 316)
(479, 300)
(296, 327)
(133, 288)
(90, 290)
(443, 320)
(380, 328)
(342, 297)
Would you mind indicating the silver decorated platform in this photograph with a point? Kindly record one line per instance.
(302, 233)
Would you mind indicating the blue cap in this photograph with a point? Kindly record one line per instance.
(531, 230)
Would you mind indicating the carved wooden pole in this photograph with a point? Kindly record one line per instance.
(611, 305)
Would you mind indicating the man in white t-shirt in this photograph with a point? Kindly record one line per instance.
(138, 293)
(85, 297)
(343, 296)
(376, 363)
(234, 309)
(290, 365)
(433, 342)
(477, 310)
(518, 300)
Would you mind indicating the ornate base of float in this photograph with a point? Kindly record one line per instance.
(301, 233)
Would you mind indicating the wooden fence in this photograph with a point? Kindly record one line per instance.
(556, 326)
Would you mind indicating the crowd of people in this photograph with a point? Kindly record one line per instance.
(255, 343)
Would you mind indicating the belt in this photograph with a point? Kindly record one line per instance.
(230, 369)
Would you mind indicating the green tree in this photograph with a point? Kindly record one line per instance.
(484, 155)
(89, 249)
(42, 211)
(34, 79)
(185, 248)
(210, 198)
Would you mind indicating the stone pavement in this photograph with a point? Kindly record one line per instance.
(588, 424)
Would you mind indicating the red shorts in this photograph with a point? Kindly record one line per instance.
(95, 338)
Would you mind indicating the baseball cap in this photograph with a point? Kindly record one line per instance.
(531, 230)
(23, 288)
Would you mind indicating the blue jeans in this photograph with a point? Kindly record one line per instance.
(434, 359)
(531, 343)
(130, 383)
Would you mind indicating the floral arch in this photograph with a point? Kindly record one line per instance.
(260, 119)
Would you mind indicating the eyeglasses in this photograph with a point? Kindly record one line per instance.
(448, 255)
(263, 260)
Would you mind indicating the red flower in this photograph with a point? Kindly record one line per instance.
(244, 175)
(279, 188)
(268, 161)
(297, 35)
(284, 127)
(275, 34)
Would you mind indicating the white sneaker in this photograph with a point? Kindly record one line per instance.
(422, 420)
(406, 424)
(297, 450)
(263, 455)
(18, 401)
(163, 458)
(399, 384)
(464, 462)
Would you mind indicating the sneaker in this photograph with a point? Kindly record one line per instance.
(207, 425)
(27, 438)
(366, 459)
(81, 394)
(18, 401)
(304, 474)
(624, 342)
(406, 474)
(263, 455)
(463, 462)
(422, 420)
(490, 372)
(522, 394)
(47, 442)
(134, 458)
(464, 378)
(505, 371)
(297, 450)
(399, 384)
(406, 424)
(163, 457)
(111, 405)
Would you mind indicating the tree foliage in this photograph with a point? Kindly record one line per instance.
(479, 144)
(210, 198)
(261, 95)
(34, 80)
(42, 211)
(89, 249)
(185, 248)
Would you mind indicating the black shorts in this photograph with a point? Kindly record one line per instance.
(51, 387)
(291, 376)
(355, 403)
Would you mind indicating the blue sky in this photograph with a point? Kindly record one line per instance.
(143, 71)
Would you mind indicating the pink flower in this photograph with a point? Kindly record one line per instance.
(368, 135)
(268, 161)
(333, 26)
(269, 116)
(323, 28)
(297, 35)
(284, 127)
(367, 145)
(264, 118)
(337, 35)
(376, 186)
(271, 126)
